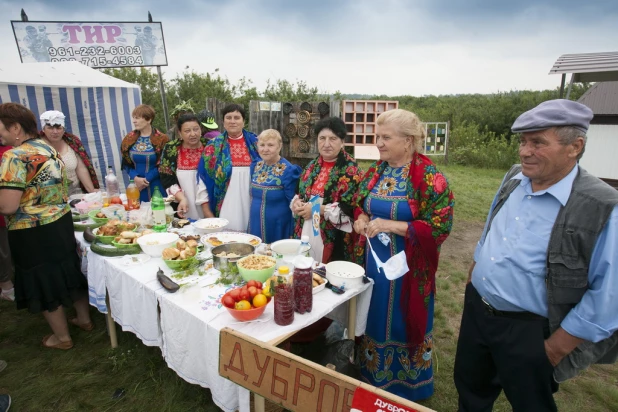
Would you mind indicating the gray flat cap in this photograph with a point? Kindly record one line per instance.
(554, 113)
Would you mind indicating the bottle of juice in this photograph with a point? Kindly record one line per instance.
(158, 211)
(133, 196)
(284, 297)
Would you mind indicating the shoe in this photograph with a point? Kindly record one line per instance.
(8, 294)
(83, 326)
(5, 403)
(62, 345)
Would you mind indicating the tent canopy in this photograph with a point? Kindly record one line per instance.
(97, 107)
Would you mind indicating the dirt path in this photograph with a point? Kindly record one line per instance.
(458, 249)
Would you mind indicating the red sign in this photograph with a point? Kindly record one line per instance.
(366, 401)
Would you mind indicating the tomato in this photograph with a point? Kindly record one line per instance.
(252, 291)
(235, 294)
(244, 294)
(243, 305)
(228, 301)
(259, 300)
(116, 200)
(258, 284)
(251, 283)
(259, 291)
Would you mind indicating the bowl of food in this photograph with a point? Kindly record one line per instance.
(112, 229)
(153, 244)
(245, 303)
(224, 257)
(284, 251)
(127, 240)
(210, 225)
(256, 267)
(180, 256)
(347, 274)
(98, 217)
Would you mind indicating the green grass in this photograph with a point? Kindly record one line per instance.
(84, 378)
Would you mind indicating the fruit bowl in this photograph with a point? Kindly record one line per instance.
(246, 314)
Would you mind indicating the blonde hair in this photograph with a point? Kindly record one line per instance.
(270, 134)
(405, 123)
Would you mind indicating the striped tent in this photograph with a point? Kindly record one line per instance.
(97, 106)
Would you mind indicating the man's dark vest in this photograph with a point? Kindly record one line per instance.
(570, 248)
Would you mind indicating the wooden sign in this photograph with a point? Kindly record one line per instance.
(291, 381)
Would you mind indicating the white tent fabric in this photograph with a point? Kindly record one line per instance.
(97, 106)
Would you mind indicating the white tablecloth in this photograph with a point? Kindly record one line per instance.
(187, 325)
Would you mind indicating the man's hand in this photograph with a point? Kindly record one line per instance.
(559, 345)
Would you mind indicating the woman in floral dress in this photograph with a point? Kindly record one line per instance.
(141, 152)
(333, 177)
(273, 185)
(405, 199)
(178, 169)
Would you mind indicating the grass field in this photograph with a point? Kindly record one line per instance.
(86, 377)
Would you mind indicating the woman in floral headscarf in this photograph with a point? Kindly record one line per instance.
(81, 174)
(225, 169)
(331, 179)
(407, 201)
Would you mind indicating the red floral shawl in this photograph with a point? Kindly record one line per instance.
(75, 143)
(431, 202)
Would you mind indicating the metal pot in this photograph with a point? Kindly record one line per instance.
(227, 265)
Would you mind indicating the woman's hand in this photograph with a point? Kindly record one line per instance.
(378, 225)
(297, 206)
(141, 183)
(305, 211)
(183, 207)
(360, 225)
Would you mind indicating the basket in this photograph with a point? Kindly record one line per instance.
(303, 131)
(290, 130)
(303, 146)
(323, 109)
(303, 116)
(288, 108)
(306, 106)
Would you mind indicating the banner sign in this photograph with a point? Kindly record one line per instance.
(296, 383)
(96, 45)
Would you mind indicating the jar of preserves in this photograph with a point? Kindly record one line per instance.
(303, 285)
(283, 292)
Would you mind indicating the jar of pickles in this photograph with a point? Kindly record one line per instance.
(283, 292)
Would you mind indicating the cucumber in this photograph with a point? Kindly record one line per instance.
(88, 235)
(80, 227)
(79, 218)
(103, 250)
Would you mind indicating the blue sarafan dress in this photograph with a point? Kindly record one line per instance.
(272, 189)
(145, 160)
(386, 360)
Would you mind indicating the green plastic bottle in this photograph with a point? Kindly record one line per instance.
(158, 211)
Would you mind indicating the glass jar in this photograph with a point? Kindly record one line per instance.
(303, 289)
(283, 292)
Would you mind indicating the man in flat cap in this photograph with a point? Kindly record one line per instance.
(541, 302)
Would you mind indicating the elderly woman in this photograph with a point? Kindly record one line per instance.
(178, 169)
(141, 152)
(407, 201)
(331, 180)
(273, 185)
(34, 196)
(78, 166)
(224, 169)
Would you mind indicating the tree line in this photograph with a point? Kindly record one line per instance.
(479, 123)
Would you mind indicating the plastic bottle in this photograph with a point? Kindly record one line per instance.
(158, 211)
(111, 183)
(284, 297)
(133, 196)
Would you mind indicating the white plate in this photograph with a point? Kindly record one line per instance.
(319, 288)
(231, 237)
(132, 260)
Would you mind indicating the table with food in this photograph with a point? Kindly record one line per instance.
(176, 283)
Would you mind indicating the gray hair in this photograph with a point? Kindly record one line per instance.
(568, 134)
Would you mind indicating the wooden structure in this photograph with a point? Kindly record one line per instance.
(360, 118)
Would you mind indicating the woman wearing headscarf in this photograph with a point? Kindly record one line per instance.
(224, 169)
(33, 195)
(141, 152)
(331, 180)
(178, 169)
(78, 166)
(210, 129)
(404, 204)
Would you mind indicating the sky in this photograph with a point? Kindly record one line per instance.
(389, 47)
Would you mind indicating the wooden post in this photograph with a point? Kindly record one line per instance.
(562, 85)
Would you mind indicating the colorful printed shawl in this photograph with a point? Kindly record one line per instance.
(157, 139)
(75, 143)
(341, 186)
(169, 161)
(215, 168)
(431, 202)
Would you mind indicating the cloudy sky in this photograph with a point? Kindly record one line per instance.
(388, 47)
